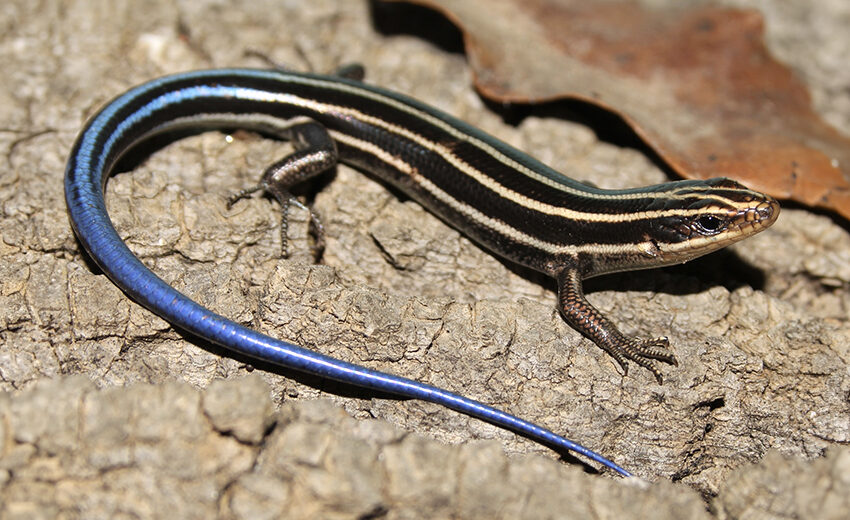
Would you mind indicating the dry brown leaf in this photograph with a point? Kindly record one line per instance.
(694, 81)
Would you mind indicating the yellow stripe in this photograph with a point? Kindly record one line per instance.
(476, 174)
(475, 215)
(482, 145)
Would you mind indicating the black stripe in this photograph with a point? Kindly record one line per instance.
(553, 229)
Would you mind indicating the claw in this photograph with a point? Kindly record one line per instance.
(643, 352)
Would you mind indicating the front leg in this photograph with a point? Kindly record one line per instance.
(315, 152)
(585, 318)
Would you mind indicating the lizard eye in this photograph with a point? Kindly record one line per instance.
(709, 224)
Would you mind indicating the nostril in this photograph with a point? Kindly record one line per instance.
(768, 211)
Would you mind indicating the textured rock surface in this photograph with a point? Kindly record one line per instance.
(164, 451)
(761, 332)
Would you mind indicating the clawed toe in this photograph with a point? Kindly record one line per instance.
(644, 352)
(658, 349)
